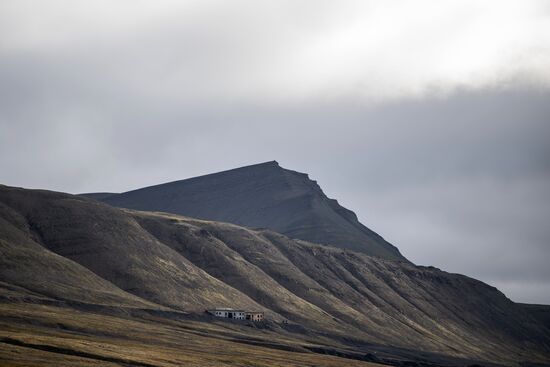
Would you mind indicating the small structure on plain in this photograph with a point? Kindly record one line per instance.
(231, 313)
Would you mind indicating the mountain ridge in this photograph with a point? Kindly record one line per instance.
(263, 195)
(163, 261)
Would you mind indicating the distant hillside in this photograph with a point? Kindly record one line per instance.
(262, 196)
(59, 247)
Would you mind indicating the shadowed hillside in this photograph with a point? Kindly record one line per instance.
(62, 248)
(261, 196)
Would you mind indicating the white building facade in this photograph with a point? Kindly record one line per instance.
(228, 313)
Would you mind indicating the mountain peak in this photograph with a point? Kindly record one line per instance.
(263, 195)
(268, 164)
(271, 163)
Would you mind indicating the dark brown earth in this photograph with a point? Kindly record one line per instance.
(71, 260)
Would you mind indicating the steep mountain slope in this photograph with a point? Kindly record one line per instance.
(404, 305)
(28, 269)
(163, 261)
(112, 245)
(261, 196)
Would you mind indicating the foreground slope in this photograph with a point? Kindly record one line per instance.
(57, 336)
(101, 239)
(262, 196)
(56, 247)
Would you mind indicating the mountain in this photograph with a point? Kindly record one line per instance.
(95, 243)
(158, 270)
(261, 196)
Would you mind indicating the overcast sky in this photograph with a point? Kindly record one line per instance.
(429, 119)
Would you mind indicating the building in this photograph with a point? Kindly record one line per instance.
(228, 313)
(231, 313)
(254, 316)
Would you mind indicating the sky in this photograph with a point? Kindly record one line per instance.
(430, 119)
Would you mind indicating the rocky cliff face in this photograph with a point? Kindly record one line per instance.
(262, 196)
(61, 247)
